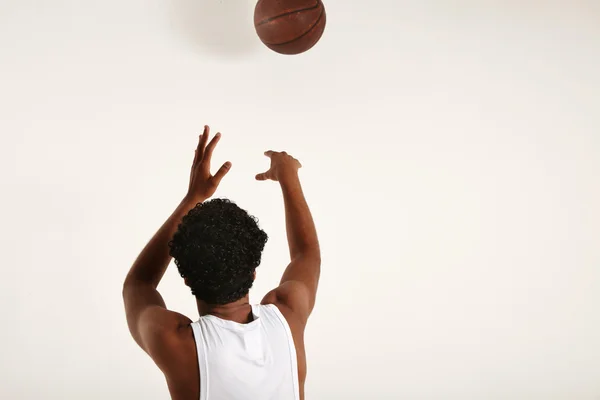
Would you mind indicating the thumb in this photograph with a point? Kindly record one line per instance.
(222, 172)
(262, 177)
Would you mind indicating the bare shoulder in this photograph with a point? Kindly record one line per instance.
(167, 336)
(290, 299)
(176, 355)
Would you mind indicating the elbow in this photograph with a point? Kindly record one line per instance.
(317, 258)
(126, 285)
(129, 282)
(314, 252)
(313, 255)
(134, 280)
(308, 250)
(128, 279)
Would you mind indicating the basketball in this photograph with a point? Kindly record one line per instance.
(290, 26)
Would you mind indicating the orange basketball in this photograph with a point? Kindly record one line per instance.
(290, 26)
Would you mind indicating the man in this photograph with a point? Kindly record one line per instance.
(235, 351)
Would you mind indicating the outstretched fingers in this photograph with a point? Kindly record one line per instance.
(210, 148)
(201, 145)
(221, 173)
(265, 175)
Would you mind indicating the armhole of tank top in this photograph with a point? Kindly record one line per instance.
(292, 348)
(202, 363)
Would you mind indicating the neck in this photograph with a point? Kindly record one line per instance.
(237, 311)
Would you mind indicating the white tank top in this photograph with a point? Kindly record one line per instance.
(254, 361)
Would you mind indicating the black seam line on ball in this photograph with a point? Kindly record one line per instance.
(266, 21)
(301, 36)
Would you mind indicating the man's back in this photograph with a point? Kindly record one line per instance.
(256, 360)
(215, 358)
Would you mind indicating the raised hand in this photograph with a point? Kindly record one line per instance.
(202, 183)
(282, 166)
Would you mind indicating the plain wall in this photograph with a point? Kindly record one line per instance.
(451, 161)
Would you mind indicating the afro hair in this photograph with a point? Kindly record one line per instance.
(217, 248)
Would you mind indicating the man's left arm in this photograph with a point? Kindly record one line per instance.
(145, 308)
(147, 317)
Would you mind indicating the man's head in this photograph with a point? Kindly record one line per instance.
(217, 248)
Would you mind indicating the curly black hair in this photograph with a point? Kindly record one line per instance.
(217, 248)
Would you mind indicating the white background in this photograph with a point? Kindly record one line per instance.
(450, 155)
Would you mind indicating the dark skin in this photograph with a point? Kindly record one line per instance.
(166, 336)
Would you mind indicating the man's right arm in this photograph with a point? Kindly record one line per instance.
(298, 286)
(300, 280)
